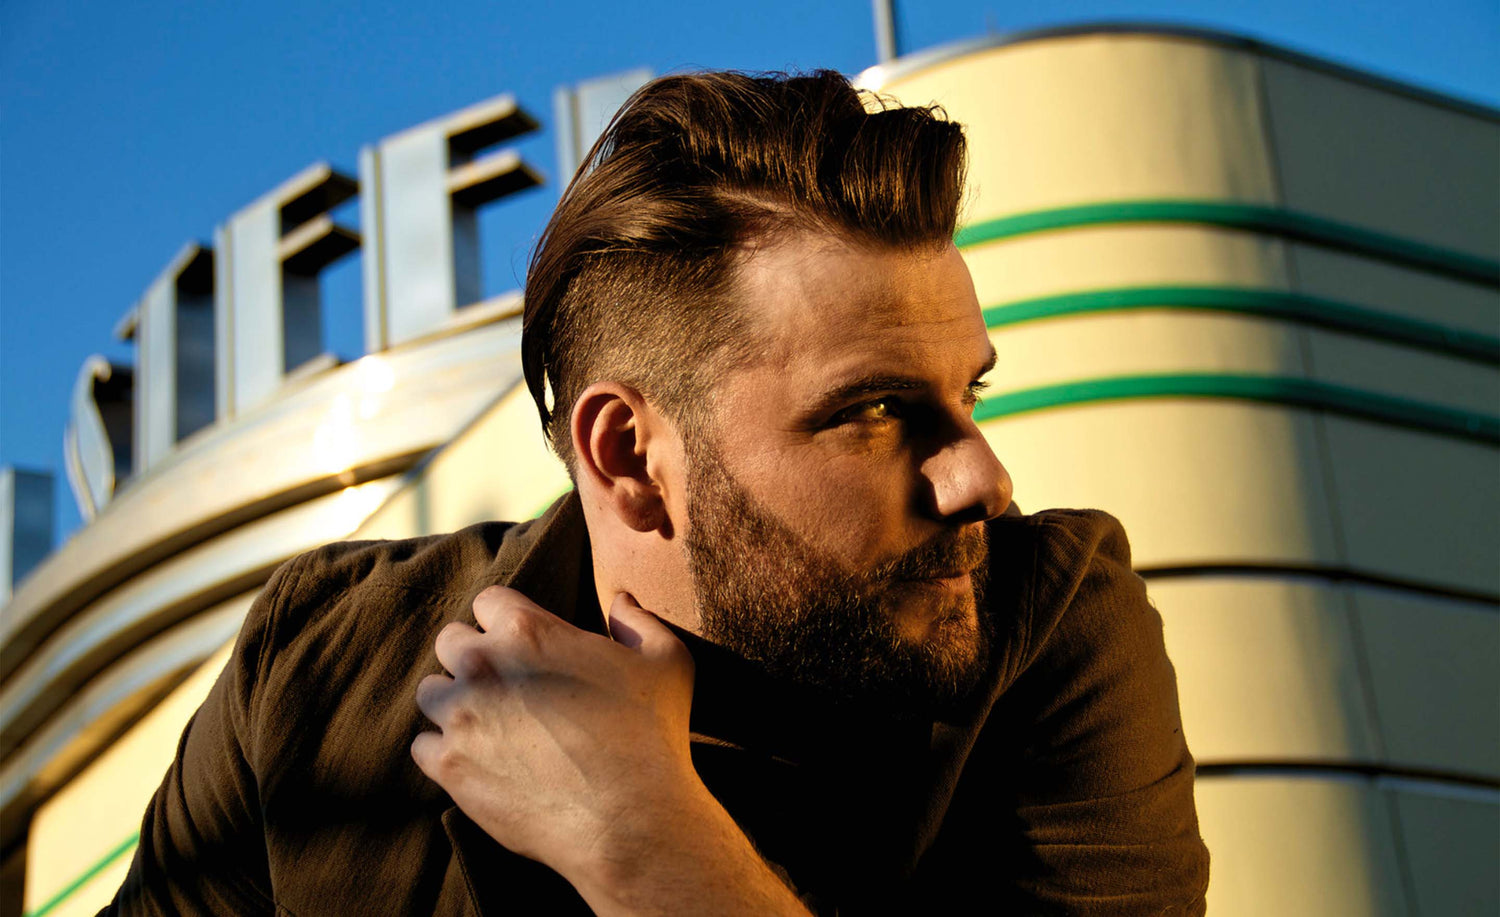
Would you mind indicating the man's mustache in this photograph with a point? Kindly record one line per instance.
(950, 553)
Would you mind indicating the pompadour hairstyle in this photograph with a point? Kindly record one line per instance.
(633, 278)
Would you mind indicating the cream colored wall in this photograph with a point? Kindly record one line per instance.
(1186, 119)
(1202, 481)
(1384, 161)
(103, 805)
(1269, 669)
(1102, 117)
(1430, 663)
(1274, 669)
(1140, 342)
(1394, 289)
(1299, 848)
(1417, 506)
(497, 468)
(1195, 481)
(1308, 846)
(1301, 670)
(1148, 341)
(1451, 844)
(1402, 372)
(1180, 340)
(1105, 257)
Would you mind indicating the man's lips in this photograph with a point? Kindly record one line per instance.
(961, 581)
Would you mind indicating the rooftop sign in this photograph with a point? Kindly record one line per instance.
(221, 328)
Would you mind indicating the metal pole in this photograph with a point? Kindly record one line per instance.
(886, 48)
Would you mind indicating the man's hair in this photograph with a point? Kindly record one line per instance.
(632, 279)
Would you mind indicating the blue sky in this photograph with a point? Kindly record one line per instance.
(128, 129)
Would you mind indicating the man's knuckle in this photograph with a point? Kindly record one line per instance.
(462, 718)
(523, 629)
(501, 598)
(448, 760)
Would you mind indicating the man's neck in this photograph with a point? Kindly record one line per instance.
(656, 587)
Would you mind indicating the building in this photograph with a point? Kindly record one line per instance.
(1246, 300)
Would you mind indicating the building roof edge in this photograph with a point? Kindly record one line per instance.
(876, 77)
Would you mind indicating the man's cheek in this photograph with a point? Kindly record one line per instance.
(852, 526)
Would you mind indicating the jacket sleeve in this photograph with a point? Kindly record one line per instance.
(202, 848)
(1078, 796)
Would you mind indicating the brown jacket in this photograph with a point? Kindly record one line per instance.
(1067, 788)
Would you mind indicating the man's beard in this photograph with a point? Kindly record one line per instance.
(764, 592)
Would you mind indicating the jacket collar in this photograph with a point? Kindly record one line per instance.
(548, 560)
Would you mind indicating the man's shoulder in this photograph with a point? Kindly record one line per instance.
(352, 620)
(357, 592)
(433, 564)
(1060, 563)
(1060, 540)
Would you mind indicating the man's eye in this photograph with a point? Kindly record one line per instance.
(870, 412)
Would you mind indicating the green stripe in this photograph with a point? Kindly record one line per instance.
(1303, 393)
(119, 850)
(1258, 218)
(1311, 310)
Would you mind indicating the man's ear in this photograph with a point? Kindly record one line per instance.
(614, 432)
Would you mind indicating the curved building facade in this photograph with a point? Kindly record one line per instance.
(1247, 301)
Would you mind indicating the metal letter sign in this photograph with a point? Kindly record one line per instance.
(422, 189)
(581, 113)
(219, 330)
(98, 442)
(173, 327)
(266, 289)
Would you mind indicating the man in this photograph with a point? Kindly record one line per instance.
(787, 647)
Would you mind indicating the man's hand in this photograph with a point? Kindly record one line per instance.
(573, 750)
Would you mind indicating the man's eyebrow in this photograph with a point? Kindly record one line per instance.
(882, 382)
(866, 385)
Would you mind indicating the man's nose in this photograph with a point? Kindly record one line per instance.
(968, 482)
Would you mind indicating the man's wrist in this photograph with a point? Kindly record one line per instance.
(685, 856)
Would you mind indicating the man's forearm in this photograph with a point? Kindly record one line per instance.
(698, 862)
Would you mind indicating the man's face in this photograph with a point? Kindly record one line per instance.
(834, 519)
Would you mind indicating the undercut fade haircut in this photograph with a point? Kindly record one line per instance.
(633, 278)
